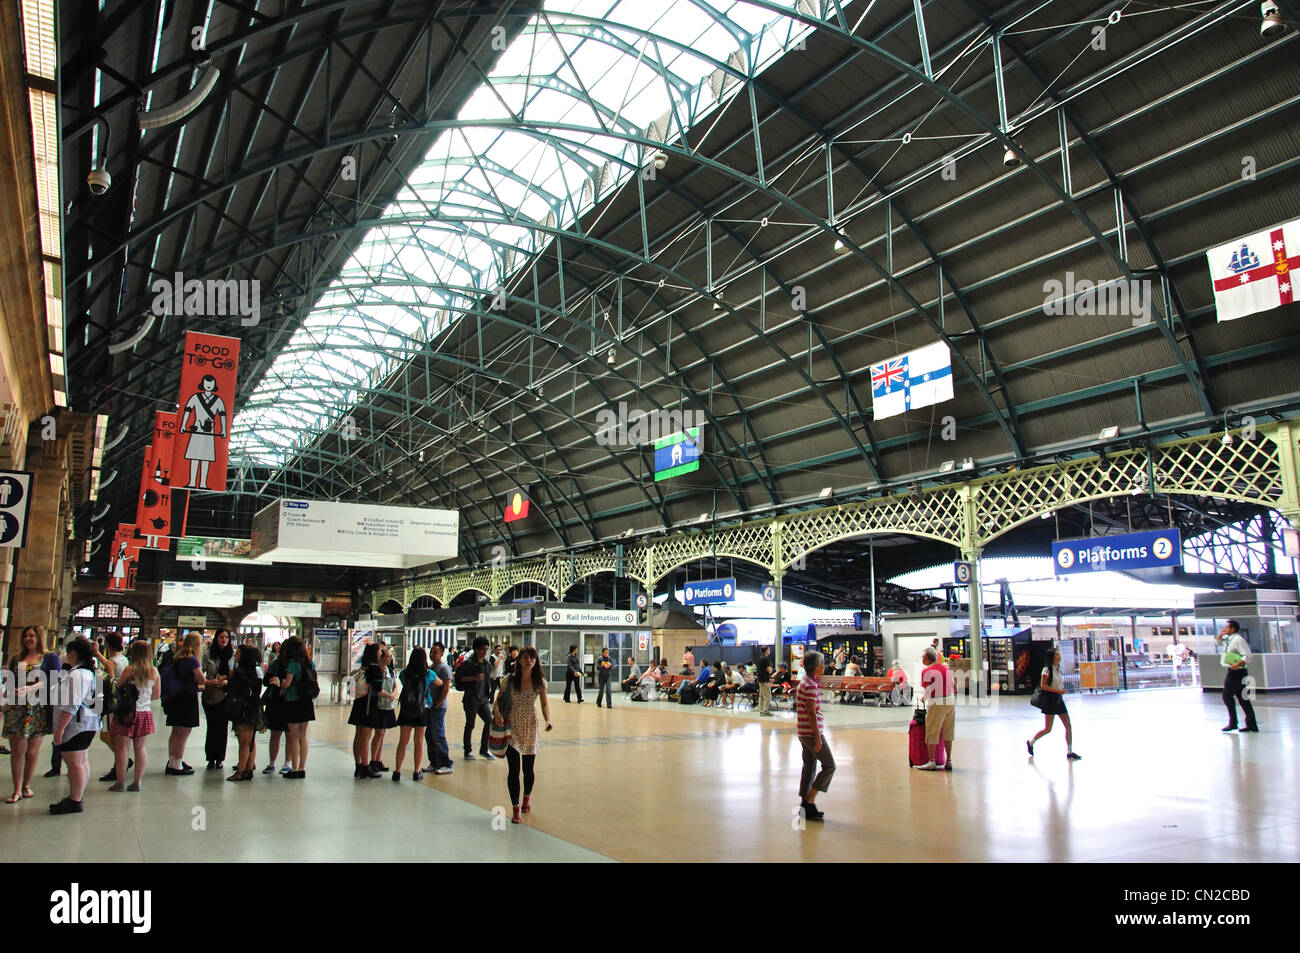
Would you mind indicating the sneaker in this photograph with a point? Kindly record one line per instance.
(212, 766)
(488, 756)
(397, 775)
(269, 769)
(1224, 728)
(286, 769)
(1074, 757)
(947, 765)
(1249, 728)
(186, 769)
(417, 775)
(67, 806)
(442, 770)
(928, 766)
(118, 787)
(110, 776)
(1030, 746)
(133, 786)
(469, 756)
(296, 776)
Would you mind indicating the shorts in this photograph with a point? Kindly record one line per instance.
(78, 742)
(939, 723)
(142, 727)
(183, 711)
(299, 711)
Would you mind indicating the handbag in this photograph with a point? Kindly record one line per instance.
(498, 738)
(1036, 699)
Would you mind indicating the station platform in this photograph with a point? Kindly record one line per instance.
(661, 782)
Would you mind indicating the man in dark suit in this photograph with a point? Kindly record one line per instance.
(573, 674)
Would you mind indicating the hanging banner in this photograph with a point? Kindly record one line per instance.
(209, 372)
(123, 559)
(160, 511)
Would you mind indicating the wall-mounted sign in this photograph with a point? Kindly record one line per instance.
(709, 592)
(297, 610)
(642, 600)
(191, 621)
(208, 595)
(961, 573)
(15, 504)
(494, 617)
(559, 615)
(769, 593)
(354, 534)
(1118, 553)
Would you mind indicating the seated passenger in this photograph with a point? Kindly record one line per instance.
(735, 681)
(633, 676)
(852, 670)
(781, 680)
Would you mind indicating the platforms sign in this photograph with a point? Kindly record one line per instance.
(709, 592)
(1149, 550)
(15, 504)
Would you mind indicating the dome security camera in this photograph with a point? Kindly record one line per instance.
(99, 180)
(1272, 24)
(1227, 440)
(1010, 159)
(661, 160)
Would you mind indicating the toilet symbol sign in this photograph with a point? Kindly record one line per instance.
(15, 503)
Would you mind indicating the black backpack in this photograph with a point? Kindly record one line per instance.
(309, 688)
(241, 698)
(124, 706)
(413, 698)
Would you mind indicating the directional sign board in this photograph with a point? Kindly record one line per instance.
(15, 504)
(709, 592)
(1147, 550)
(961, 573)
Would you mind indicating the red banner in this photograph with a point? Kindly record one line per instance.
(123, 559)
(209, 372)
(160, 511)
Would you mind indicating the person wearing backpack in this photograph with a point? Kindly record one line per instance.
(386, 716)
(435, 736)
(216, 670)
(114, 665)
(132, 723)
(418, 683)
(299, 687)
(472, 679)
(368, 679)
(76, 722)
(273, 709)
(181, 683)
(243, 705)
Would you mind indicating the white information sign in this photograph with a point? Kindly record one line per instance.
(297, 610)
(559, 615)
(494, 617)
(322, 532)
(207, 595)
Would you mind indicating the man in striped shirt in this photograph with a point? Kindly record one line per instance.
(808, 703)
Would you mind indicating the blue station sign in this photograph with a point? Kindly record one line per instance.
(1149, 550)
(709, 592)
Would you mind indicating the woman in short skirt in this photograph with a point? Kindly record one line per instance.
(1053, 688)
(365, 718)
(415, 678)
(386, 714)
(141, 671)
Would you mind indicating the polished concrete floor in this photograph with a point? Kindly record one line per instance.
(659, 782)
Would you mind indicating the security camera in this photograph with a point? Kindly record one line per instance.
(661, 160)
(1227, 440)
(1010, 159)
(99, 180)
(1272, 24)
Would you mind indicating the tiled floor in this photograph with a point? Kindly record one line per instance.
(663, 782)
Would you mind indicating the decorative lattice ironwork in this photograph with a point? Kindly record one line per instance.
(968, 516)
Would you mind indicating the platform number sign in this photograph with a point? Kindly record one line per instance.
(15, 504)
(961, 573)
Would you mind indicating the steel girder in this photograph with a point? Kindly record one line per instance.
(1263, 471)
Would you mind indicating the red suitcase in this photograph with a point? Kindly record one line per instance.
(918, 753)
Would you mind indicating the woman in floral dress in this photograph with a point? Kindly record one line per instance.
(27, 714)
(523, 689)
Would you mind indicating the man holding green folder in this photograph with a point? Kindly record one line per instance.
(1235, 656)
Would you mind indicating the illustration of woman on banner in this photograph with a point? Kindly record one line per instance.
(204, 427)
(119, 567)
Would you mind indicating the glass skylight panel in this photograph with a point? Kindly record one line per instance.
(483, 188)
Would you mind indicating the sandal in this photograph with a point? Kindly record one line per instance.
(13, 799)
(27, 792)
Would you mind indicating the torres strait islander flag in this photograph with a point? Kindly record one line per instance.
(1254, 273)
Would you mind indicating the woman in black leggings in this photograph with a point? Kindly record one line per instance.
(517, 705)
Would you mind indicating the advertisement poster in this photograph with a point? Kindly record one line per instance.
(209, 372)
(159, 511)
(123, 559)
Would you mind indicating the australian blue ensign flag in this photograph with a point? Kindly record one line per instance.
(916, 379)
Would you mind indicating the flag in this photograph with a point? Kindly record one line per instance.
(916, 379)
(209, 373)
(517, 506)
(677, 453)
(160, 510)
(1254, 273)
